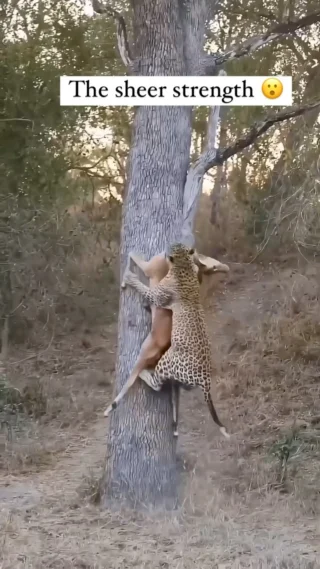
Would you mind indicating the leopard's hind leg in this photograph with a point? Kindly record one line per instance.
(169, 369)
(175, 398)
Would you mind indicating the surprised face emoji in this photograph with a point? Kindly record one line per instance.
(272, 88)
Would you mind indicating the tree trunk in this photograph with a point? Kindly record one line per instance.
(141, 464)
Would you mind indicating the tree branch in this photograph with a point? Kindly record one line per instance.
(256, 42)
(87, 168)
(194, 181)
(16, 119)
(122, 37)
(268, 15)
(213, 157)
(257, 130)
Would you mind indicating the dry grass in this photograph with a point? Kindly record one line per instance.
(228, 236)
(252, 502)
(270, 372)
(215, 527)
(65, 275)
(219, 524)
(59, 390)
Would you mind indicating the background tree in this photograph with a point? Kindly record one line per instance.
(50, 157)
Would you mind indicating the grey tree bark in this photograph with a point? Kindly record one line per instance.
(160, 202)
(141, 448)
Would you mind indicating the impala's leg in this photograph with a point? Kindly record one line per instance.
(141, 263)
(133, 377)
(143, 266)
(149, 354)
(120, 396)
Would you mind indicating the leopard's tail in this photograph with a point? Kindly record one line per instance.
(214, 415)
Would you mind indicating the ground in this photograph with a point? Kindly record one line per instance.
(253, 501)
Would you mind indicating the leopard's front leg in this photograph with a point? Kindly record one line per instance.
(158, 296)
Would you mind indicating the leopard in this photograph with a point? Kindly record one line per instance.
(188, 360)
(159, 338)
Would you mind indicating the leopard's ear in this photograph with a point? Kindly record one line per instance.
(170, 258)
(191, 251)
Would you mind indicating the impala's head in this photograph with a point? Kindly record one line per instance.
(209, 265)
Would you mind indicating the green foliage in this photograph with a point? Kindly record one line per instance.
(264, 182)
(50, 156)
(10, 397)
(10, 406)
(47, 40)
(293, 451)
